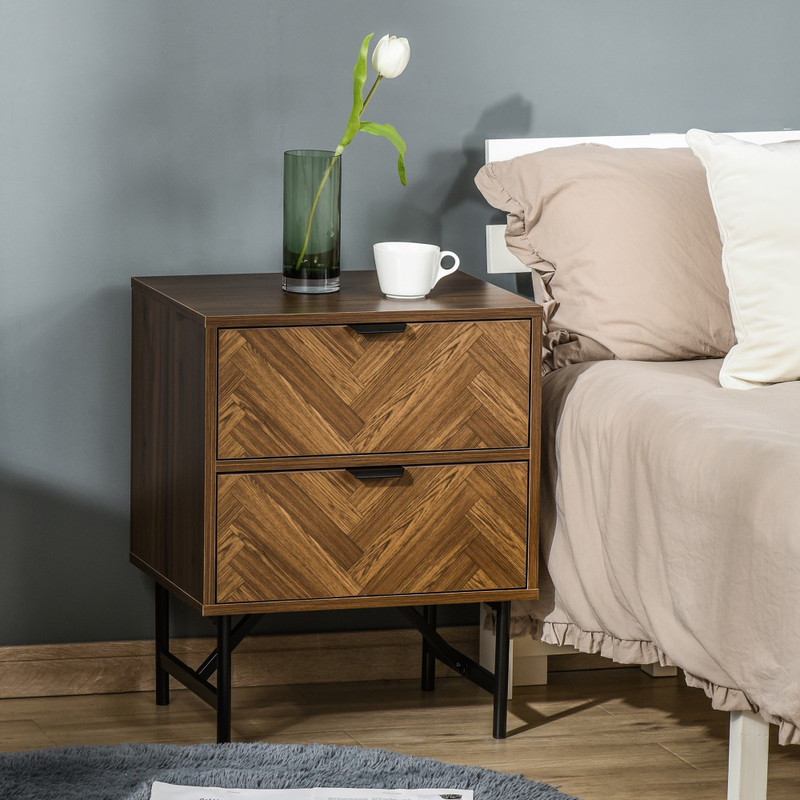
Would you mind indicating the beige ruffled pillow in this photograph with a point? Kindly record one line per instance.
(624, 248)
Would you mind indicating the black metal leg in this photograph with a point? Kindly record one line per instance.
(223, 679)
(502, 629)
(428, 657)
(162, 644)
(494, 682)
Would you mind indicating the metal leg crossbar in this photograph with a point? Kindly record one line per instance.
(219, 661)
(229, 636)
(435, 647)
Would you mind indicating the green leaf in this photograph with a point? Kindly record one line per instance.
(359, 79)
(394, 137)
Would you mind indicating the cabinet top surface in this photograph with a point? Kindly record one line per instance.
(252, 298)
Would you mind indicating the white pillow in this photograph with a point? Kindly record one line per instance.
(755, 190)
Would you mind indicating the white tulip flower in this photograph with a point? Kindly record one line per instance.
(390, 56)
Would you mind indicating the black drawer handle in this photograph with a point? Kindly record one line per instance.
(368, 328)
(369, 473)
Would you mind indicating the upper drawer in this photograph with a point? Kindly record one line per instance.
(328, 390)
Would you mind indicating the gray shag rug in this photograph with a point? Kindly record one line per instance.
(126, 772)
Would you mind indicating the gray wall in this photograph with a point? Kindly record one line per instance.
(146, 136)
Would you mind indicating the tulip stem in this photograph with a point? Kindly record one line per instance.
(371, 92)
(314, 208)
(325, 177)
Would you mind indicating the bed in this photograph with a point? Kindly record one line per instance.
(669, 269)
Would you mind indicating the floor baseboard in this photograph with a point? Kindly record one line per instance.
(109, 667)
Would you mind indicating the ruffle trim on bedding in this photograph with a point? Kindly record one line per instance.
(623, 651)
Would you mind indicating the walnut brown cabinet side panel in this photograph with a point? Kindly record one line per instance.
(168, 445)
(328, 534)
(327, 389)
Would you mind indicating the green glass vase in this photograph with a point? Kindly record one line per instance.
(312, 181)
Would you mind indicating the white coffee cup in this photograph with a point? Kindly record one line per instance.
(409, 270)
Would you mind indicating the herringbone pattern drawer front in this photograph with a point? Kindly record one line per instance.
(328, 534)
(327, 390)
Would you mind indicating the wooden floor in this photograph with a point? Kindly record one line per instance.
(598, 734)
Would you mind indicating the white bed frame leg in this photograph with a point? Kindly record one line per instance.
(657, 671)
(527, 658)
(748, 751)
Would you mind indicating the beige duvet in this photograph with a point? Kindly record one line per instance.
(671, 528)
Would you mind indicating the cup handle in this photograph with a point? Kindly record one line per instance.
(442, 271)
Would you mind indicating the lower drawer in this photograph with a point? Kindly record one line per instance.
(332, 533)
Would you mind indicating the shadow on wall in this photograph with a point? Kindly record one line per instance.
(445, 206)
(509, 119)
(64, 575)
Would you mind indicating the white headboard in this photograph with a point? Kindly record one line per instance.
(498, 257)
